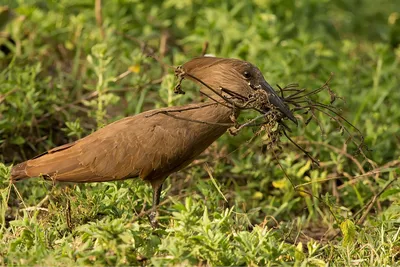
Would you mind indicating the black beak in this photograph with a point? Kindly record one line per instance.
(275, 100)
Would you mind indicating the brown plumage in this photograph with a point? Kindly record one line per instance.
(153, 144)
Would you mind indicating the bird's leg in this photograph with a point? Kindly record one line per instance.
(156, 200)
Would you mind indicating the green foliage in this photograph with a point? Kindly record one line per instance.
(349, 232)
(65, 76)
(73, 128)
(211, 240)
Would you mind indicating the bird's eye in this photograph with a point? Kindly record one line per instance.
(247, 75)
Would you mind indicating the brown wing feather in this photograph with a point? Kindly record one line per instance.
(58, 160)
(150, 147)
(32, 168)
(121, 150)
(134, 146)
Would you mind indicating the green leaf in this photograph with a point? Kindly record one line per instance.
(17, 140)
(299, 254)
(99, 50)
(349, 232)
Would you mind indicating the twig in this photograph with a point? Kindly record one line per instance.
(2, 97)
(122, 75)
(347, 155)
(165, 35)
(179, 110)
(19, 196)
(234, 131)
(302, 149)
(352, 179)
(204, 49)
(197, 121)
(368, 206)
(208, 169)
(99, 17)
(68, 214)
(34, 208)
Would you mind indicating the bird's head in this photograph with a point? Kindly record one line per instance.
(240, 77)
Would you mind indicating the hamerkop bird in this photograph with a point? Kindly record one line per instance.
(152, 144)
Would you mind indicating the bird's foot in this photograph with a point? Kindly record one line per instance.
(153, 219)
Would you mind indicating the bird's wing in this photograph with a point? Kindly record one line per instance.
(151, 147)
(135, 146)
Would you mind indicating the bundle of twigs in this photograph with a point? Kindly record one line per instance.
(301, 101)
(304, 104)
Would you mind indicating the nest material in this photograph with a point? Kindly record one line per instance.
(271, 121)
(271, 118)
(303, 104)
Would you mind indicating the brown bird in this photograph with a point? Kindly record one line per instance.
(155, 143)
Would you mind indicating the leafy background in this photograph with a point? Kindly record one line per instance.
(69, 67)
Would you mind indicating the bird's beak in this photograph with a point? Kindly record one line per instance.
(275, 100)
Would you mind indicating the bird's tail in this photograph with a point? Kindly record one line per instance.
(59, 164)
(59, 159)
(18, 172)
